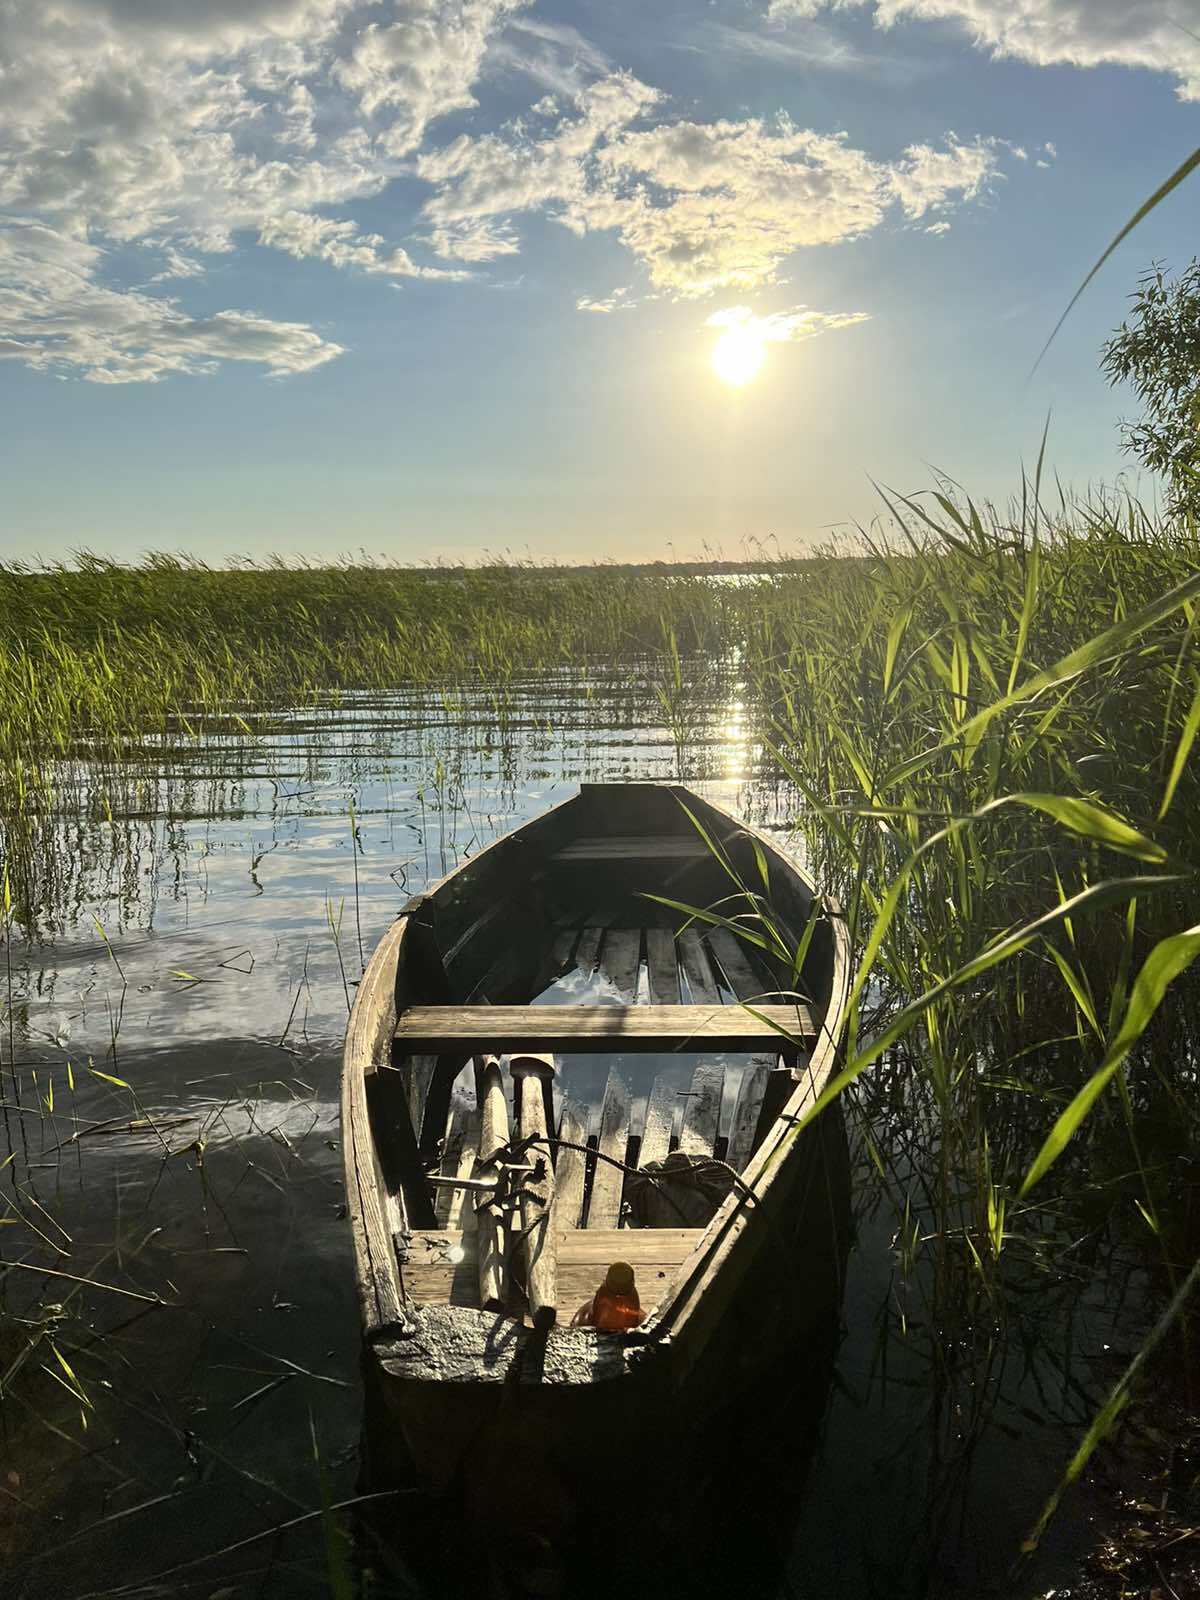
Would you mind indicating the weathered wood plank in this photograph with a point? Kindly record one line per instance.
(417, 1073)
(492, 1246)
(619, 959)
(582, 1029)
(632, 847)
(564, 946)
(584, 1254)
(662, 967)
(702, 1111)
(735, 964)
(570, 1167)
(660, 1123)
(587, 951)
(539, 1235)
(698, 968)
(745, 1113)
(367, 1048)
(448, 1166)
(458, 1214)
(604, 1207)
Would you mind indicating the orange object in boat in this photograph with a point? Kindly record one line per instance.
(615, 1307)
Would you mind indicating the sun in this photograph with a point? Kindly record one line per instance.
(738, 354)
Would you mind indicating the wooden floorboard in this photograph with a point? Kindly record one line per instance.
(662, 967)
(660, 1122)
(458, 1157)
(734, 957)
(702, 1111)
(570, 1166)
(597, 1029)
(698, 968)
(604, 1206)
(745, 1112)
(588, 949)
(619, 957)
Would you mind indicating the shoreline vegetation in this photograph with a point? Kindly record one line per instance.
(987, 720)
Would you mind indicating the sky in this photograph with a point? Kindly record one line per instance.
(567, 279)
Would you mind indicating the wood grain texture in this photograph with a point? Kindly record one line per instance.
(587, 951)
(698, 968)
(745, 1112)
(605, 1029)
(458, 1160)
(662, 967)
(494, 1285)
(632, 847)
(732, 953)
(570, 1166)
(367, 1047)
(604, 1207)
(660, 1122)
(584, 1257)
(619, 957)
(539, 1234)
(702, 1111)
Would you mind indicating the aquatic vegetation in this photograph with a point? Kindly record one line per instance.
(992, 722)
(983, 725)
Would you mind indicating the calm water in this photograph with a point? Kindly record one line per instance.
(199, 946)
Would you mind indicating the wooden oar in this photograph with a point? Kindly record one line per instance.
(493, 1136)
(533, 1075)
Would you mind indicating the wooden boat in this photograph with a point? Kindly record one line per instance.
(483, 1220)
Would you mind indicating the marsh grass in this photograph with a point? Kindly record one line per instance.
(992, 723)
(984, 721)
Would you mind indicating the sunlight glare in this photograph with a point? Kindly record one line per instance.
(738, 354)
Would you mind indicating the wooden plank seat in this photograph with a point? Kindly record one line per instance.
(633, 847)
(584, 1255)
(571, 1030)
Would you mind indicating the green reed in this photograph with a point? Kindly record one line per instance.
(986, 719)
(991, 720)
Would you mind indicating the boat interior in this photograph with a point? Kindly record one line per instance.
(579, 1082)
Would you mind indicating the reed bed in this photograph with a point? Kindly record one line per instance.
(991, 722)
(985, 722)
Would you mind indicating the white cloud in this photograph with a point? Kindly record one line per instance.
(422, 65)
(703, 206)
(616, 301)
(56, 318)
(925, 178)
(1152, 34)
(303, 234)
(179, 127)
(784, 327)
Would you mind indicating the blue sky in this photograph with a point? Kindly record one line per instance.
(431, 278)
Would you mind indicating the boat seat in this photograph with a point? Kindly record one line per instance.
(688, 979)
(572, 1030)
(634, 847)
(584, 1255)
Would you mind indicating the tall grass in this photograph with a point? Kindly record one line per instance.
(985, 720)
(992, 722)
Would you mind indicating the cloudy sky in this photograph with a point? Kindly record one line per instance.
(565, 277)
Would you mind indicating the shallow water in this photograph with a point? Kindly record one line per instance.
(176, 995)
